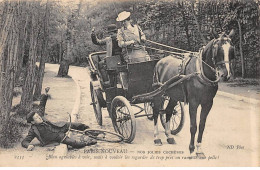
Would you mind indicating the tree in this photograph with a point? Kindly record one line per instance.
(43, 53)
(28, 87)
(67, 59)
(9, 45)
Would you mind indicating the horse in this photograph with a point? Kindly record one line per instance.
(212, 66)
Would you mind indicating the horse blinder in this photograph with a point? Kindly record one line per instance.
(215, 50)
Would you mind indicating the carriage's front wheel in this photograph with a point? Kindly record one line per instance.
(96, 104)
(123, 118)
(177, 119)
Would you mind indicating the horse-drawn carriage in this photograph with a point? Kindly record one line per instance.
(124, 105)
(154, 82)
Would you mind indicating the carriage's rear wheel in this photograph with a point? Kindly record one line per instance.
(123, 118)
(177, 119)
(148, 109)
(96, 104)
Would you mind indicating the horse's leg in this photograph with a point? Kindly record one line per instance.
(193, 106)
(169, 110)
(205, 108)
(156, 108)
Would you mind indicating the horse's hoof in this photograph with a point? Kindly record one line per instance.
(158, 142)
(192, 148)
(171, 141)
(201, 155)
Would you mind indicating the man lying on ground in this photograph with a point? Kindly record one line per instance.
(48, 133)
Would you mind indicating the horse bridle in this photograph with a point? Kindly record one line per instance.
(203, 77)
(215, 53)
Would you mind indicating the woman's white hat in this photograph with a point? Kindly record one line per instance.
(123, 15)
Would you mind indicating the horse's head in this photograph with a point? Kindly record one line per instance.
(223, 53)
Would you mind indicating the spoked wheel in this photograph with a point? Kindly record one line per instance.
(96, 104)
(177, 119)
(148, 110)
(103, 135)
(123, 118)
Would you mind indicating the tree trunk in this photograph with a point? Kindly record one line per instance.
(5, 67)
(198, 25)
(60, 49)
(8, 61)
(64, 65)
(38, 88)
(27, 95)
(22, 40)
(11, 62)
(241, 50)
(186, 26)
(63, 69)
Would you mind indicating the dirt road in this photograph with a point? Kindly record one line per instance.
(231, 136)
(230, 124)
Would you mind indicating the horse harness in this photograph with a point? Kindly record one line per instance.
(162, 87)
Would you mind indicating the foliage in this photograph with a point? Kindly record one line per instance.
(12, 132)
(170, 22)
(184, 24)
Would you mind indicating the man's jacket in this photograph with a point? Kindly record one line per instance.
(58, 130)
(111, 43)
(59, 127)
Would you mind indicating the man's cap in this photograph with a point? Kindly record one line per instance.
(123, 16)
(29, 116)
(111, 28)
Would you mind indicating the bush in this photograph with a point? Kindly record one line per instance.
(11, 131)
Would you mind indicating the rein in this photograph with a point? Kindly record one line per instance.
(202, 76)
(169, 47)
(176, 53)
(222, 62)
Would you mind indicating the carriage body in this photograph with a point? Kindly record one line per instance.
(139, 76)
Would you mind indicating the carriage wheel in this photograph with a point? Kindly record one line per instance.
(123, 118)
(177, 119)
(96, 104)
(148, 109)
